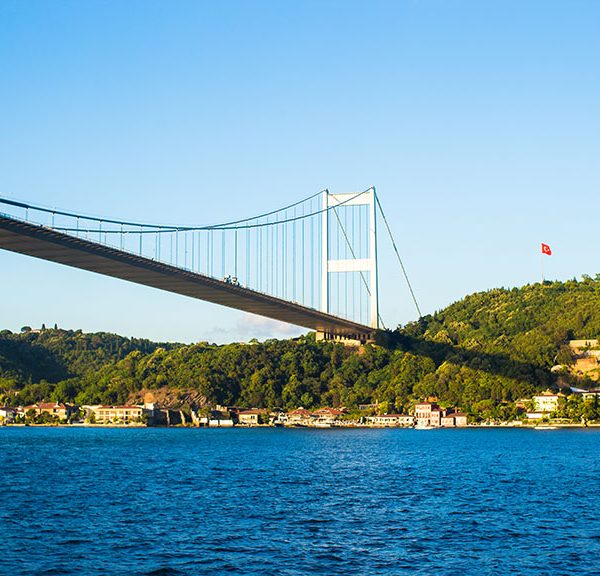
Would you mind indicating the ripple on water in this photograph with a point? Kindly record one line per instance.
(295, 502)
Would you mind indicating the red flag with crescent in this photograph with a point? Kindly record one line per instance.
(546, 249)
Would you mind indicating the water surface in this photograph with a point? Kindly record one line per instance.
(295, 502)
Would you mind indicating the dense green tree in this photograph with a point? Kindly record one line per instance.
(481, 354)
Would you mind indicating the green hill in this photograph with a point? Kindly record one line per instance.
(33, 362)
(480, 353)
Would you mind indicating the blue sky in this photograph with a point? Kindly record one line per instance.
(478, 122)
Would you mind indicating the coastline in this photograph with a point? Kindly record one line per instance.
(482, 426)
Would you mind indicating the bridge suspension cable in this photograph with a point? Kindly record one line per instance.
(410, 288)
(161, 228)
(279, 253)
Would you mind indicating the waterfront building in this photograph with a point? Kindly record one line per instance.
(546, 402)
(221, 417)
(7, 414)
(454, 420)
(252, 417)
(116, 414)
(58, 409)
(299, 417)
(326, 416)
(220, 422)
(390, 420)
(427, 414)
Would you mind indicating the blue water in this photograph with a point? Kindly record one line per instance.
(296, 502)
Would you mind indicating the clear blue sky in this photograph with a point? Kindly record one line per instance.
(478, 122)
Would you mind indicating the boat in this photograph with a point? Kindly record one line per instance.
(420, 426)
(546, 428)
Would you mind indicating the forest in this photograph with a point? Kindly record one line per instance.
(479, 354)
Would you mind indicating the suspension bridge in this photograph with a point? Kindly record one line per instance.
(312, 263)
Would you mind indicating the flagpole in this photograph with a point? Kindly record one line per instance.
(542, 264)
(546, 251)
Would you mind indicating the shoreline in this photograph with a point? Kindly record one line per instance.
(547, 426)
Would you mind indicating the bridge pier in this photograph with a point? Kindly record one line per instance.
(352, 340)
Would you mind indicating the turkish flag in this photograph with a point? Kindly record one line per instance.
(546, 249)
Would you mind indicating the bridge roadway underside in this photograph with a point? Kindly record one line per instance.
(47, 244)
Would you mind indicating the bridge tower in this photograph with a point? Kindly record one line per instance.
(365, 264)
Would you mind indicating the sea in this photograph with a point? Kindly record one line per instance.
(180, 501)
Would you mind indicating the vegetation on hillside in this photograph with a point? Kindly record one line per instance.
(479, 354)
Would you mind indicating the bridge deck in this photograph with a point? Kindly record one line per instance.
(47, 244)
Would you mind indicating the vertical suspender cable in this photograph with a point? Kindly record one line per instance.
(211, 255)
(302, 259)
(235, 254)
(223, 254)
(294, 258)
(248, 257)
(284, 258)
(312, 259)
(269, 262)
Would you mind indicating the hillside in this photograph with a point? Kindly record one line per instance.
(530, 323)
(482, 352)
(36, 360)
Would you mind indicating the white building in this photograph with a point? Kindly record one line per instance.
(390, 420)
(427, 414)
(546, 402)
(7, 414)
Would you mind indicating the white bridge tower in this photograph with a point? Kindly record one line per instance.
(367, 264)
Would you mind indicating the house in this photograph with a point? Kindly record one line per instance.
(427, 414)
(7, 414)
(124, 414)
(546, 402)
(58, 409)
(299, 417)
(221, 417)
(220, 422)
(363, 407)
(579, 345)
(454, 420)
(326, 416)
(252, 417)
(278, 417)
(591, 393)
(390, 420)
